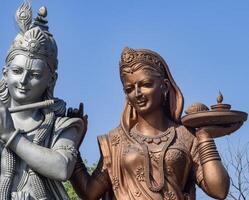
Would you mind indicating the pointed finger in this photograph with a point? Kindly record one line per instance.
(81, 109)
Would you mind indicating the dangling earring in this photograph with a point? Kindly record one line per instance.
(165, 98)
(164, 95)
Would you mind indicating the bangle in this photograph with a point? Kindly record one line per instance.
(216, 158)
(206, 148)
(208, 151)
(205, 141)
(12, 137)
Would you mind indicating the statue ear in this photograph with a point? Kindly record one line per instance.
(53, 79)
(166, 85)
(4, 70)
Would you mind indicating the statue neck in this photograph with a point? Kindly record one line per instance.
(153, 123)
(26, 120)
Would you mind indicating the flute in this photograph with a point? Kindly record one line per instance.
(42, 104)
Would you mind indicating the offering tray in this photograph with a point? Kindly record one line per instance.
(198, 115)
(209, 118)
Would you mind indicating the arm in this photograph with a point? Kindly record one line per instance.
(90, 187)
(56, 163)
(215, 179)
(86, 186)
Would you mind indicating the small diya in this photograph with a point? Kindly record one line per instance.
(199, 115)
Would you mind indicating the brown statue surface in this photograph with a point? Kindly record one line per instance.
(150, 155)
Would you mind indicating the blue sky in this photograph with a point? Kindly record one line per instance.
(205, 43)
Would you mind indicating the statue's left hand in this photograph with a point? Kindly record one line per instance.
(79, 113)
(217, 131)
(6, 123)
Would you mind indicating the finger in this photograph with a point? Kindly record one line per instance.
(85, 118)
(81, 109)
(69, 112)
(75, 112)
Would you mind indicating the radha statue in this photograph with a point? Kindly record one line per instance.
(39, 146)
(151, 155)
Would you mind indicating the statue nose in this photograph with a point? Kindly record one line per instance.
(137, 91)
(24, 78)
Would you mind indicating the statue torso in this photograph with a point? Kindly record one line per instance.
(21, 186)
(139, 166)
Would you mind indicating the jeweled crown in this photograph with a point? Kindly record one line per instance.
(34, 39)
(130, 57)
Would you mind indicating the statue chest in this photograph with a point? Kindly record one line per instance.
(175, 162)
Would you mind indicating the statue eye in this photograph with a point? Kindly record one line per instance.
(36, 75)
(129, 89)
(17, 70)
(147, 84)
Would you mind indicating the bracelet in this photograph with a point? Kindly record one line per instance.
(206, 148)
(12, 137)
(211, 159)
(205, 141)
(208, 151)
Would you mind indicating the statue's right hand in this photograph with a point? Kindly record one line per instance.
(6, 123)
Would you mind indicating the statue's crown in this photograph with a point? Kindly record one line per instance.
(131, 56)
(34, 39)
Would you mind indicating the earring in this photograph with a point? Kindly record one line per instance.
(165, 98)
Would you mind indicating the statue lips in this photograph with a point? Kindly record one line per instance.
(22, 90)
(141, 102)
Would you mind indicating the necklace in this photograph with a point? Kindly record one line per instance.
(145, 141)
(140, 138)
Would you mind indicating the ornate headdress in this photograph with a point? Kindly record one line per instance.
(130, 57)
(34, 40)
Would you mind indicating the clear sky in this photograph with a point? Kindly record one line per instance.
(205, 43)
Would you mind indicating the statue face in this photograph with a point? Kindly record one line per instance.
(27, 79)
(144, 91)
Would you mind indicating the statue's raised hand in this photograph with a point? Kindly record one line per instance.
(6, 123)
(79, 113)
(219, 130)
